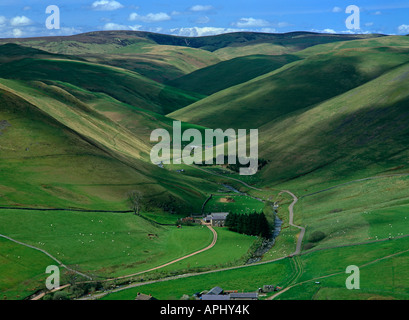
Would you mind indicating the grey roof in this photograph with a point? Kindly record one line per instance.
(219, 215)
(142, 296)
(216, 297)
(245, 295)
(215, 291)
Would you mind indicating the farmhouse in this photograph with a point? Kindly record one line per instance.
(216, 219)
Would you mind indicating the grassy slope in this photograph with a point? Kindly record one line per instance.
(77, 121)
(78, 156)
(123, 85)
(277, 44)
(362, 211)
(230, 73)
(165, 57)
(363, 130)
(130, 50)
(295, 86)
(24, 269)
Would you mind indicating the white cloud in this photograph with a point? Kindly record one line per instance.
(135, 27)
(151, 17)
(201, 31)
(3, 21)
(336, 9)
(106, 5)
(404, 28)
(203, 20)
(327, 30)
(282, 24)
(251, 23)
(116, 26)
(268, 30)
(27, 8)
(63, 31)
(20, 21)
(332, 31)
(156, 30)
(199, 8)
(17, 33)
(369, 24)
(377, 13)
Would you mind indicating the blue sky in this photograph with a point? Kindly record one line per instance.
(197, 18)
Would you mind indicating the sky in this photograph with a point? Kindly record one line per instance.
(28, 18)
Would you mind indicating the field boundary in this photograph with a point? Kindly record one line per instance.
(46, 253)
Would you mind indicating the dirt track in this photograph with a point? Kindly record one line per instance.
(39, 296)
(291, 222)
(177, 260)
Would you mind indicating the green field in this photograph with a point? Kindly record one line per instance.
(244, 279)
(25, 270)
(386, 278)
(233, 203)
(104, 244)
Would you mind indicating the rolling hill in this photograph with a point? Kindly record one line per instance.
(166, 57)
(295, 86)
(81, 147)
(220, 76)
(124, 85)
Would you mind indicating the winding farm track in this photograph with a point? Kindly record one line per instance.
(291, 222)
(290, 208)
(39, 296)
(176, 260)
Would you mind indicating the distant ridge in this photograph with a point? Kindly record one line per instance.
(210, 43)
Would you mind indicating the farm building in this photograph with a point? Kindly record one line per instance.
(144, 297)
(244, 296)
(217, 293)
(216, 219)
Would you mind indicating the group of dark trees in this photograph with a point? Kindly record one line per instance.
(253, 224)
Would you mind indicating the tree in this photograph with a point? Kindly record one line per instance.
(61, 295)
(135, 199)
(254, 224)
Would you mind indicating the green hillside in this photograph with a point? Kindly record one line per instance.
(121, 84)
(361, 131)
(134, 51)
(230, 73)
(57, 156)
(295, 86)
(89, 149)
(164, 57)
